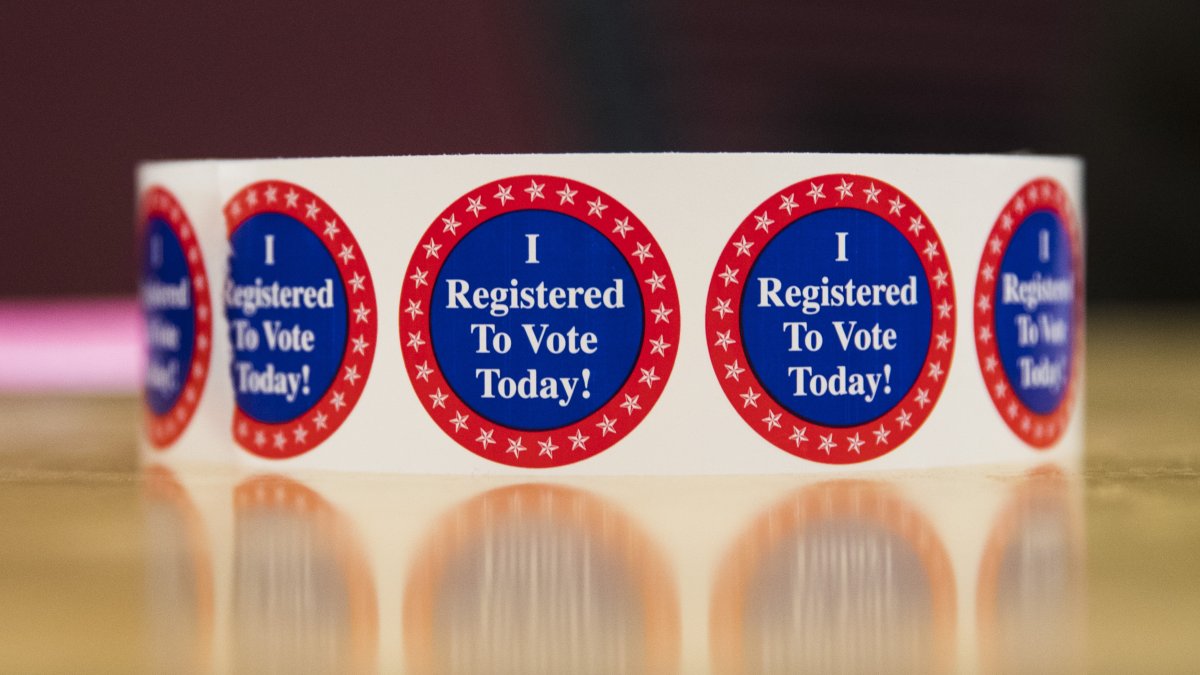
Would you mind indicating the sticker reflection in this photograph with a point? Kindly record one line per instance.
(540, 579)
(303, 595)
(1031, 587)
(179, 577)
(842, 576)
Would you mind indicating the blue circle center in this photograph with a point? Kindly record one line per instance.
(288, 318)
(836, 317)
(1034, 303)
(536, 320)
(169, 309)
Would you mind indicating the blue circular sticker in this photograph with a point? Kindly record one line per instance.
(539, 321)
(301, 315)
(177, 310)
(1027, 311)
(831, 318)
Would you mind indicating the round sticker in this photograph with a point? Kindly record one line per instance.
(178, 315)
(841, 576)
(1028, 312)
(539, 321)
(831, 318)
(302, 319)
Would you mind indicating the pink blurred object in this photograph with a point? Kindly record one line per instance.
(74, 346)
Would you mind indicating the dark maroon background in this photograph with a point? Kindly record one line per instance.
(89, 88)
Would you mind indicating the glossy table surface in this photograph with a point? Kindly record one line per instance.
(107, 566)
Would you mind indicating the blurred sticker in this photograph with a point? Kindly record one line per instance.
(302, 319)
(178, 314)
(1028, 312)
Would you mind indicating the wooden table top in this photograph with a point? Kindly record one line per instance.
(96, 574)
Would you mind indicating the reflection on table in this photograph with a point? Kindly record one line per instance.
(303, 596)
(927, 574)
(540, 579)
(179, 577)
(1031, 586)
(842, 576)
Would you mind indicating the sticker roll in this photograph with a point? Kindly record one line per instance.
(625, 314)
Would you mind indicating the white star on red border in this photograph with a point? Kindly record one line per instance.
(578, 440)
(643, 252)
(733, 370)
(648, 377)
(485, 437)
(660, 346)
(566, 195)
(515, 447)
(722, 307)
(662, 313)
(798, 435)
(424, 371)
(607, 426)
(656, 282)
(622, 226)
(504, 194)
(750, 398)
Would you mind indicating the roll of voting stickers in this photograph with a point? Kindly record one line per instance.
(614, 314)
